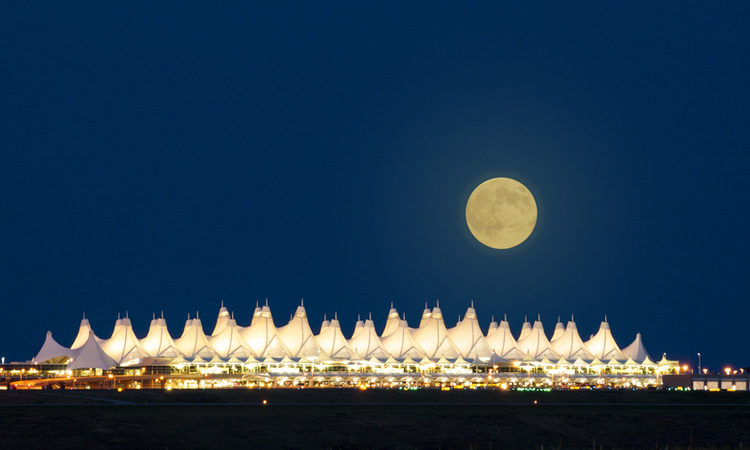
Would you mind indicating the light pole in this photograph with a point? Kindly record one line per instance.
(699, 363)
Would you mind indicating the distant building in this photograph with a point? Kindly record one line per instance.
(261, 354)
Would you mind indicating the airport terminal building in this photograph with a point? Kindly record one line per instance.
(262, 355)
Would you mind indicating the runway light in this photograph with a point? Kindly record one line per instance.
(265, 402)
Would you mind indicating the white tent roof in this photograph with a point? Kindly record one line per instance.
(332, 341)
(636, 351)
(425, 315)
(559, 330)
(358, 327)
(222, 320)
(401, 344)
(158, 342)
(257, 312)
(493, 326)
(90, 356)
(262, 336)
(501, 341)
(367, 344)
(432, 336)
(525, 329)
(536, 343)
(52, 351)
(228, 343)
(123, 346)
(468, 337)
(570, 346)
(297, 336)
(83, 334)
(325, 324)
(392, 324)
(193, 342)
(603, 345)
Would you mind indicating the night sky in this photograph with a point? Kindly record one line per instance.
(168, 157)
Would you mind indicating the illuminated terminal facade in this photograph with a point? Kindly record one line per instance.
(262, 355)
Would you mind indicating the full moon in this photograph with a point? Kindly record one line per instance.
(501, 213)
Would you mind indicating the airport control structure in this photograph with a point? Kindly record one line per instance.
(263, 355)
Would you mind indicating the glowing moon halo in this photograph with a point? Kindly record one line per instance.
(501, 213)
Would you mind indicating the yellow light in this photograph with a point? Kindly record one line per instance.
(728, 370)
(265, 402)
(685, 368)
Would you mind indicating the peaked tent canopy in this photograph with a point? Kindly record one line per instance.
(193, 343)
(83, 334)
(468, 337)
(90, 356)
(603, 345)
(401, 344)
(52, 352)
(501, 341)
(536, 343)
(570, 346)
(525, 330)
(559, 330)
(636, 351)
(124, 347)
(298, 337)
(229, 343)
(158, 343)
(432, 336)
(222, 320)
(367, 344)
(425, 315)
(392, 324)
(262, 336)
(332, 342)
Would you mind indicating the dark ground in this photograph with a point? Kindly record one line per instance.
(339, 418)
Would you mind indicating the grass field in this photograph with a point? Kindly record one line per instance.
(343, 418)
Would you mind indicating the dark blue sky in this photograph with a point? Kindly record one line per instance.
(168, 157)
